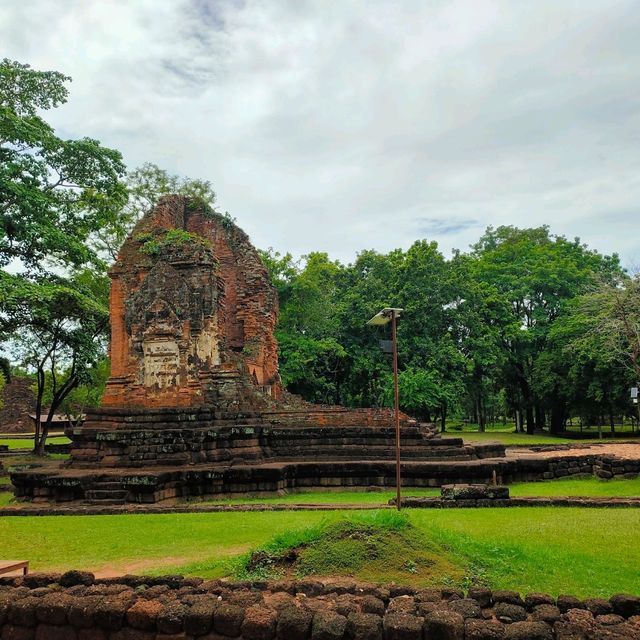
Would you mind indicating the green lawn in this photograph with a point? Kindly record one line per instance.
(555, 550)
(27, 443)
(558, 550)
(618, 488)
(509, 437)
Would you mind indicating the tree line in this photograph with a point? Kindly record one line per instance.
(525, 324)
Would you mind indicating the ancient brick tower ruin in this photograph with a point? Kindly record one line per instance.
(194, 404)
(193, 315)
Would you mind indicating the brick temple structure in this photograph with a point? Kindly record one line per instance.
(193, 315)
(195, 405)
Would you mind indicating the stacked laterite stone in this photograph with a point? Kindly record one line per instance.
(75, 606)
(195, 392)
(192, 315)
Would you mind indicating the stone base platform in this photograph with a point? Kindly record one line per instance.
(117, 486)
(356, 458)
(149, 456)
(146, 438)
(268, 477)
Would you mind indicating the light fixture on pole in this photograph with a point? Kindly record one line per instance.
(391, 314)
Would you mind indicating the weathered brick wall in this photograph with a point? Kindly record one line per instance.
(192, 322)
(17, 401)
(74, 606)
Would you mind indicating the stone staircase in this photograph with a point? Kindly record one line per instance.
(106, 492)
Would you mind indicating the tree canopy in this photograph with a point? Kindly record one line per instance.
(503, 329)
(55, 194)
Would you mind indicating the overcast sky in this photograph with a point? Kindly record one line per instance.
(339, 125)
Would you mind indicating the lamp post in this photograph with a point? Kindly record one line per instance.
(391, 314)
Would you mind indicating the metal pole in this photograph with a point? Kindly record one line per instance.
(396, 406)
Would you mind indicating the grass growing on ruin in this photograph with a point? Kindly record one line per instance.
(557, 550)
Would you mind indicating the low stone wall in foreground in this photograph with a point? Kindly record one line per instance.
(75, 606)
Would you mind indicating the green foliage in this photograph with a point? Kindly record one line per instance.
(54, 193)
(227, 220)
(145, 186)
(155, 244)
(148, 183)
(87, 394)
(476, 337)
(5, 369)
(24, 90)
(538, 274)
(593, 356)
(58, 331)
(311, 367)
(282, 269)
(421, 392)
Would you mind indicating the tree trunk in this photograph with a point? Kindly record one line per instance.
(612, 422)
(443, 419)
(531, 423)
(558, 414)
(40, 393)
(540, 416)
(481, 418)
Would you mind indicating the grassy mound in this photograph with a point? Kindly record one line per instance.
(364, 546)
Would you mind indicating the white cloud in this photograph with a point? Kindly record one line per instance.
(346, 125)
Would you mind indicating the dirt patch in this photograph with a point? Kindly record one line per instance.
(138, 567)
(627, 451)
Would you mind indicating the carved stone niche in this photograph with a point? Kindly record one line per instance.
(171, 321)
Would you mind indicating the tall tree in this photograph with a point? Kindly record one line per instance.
(61, 331)
(312, 360)
(482, 325)
(538, 273)
(55, 194)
